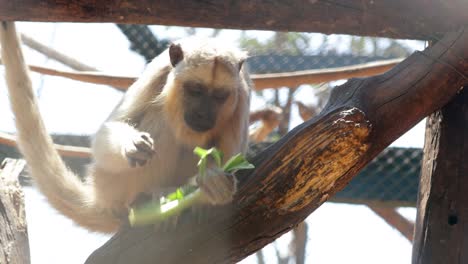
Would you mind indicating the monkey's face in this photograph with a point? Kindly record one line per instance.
(201, 93)
(202, 105)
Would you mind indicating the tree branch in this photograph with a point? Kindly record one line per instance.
(55, 55)
(306, 167)
(261, 81)
(416, 19)
(294, 79)
(66, 151)
(391, 216)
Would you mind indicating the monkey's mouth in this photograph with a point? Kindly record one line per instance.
(199, 123)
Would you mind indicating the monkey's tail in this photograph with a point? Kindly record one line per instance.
(63, 189)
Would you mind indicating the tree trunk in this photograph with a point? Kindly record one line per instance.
(443, 200)
(306, 167)
(416, 19)
(14, 245)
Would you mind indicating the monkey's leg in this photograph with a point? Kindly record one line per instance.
(118, 146)
(218, 187)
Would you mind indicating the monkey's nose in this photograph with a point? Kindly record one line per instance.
(200, 115)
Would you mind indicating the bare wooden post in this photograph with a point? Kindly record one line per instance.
(441, 235)
(14, 245)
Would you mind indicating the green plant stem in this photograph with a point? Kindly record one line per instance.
(152, 213)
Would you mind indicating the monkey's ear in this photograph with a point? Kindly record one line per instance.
(239, 65)
(176, 54)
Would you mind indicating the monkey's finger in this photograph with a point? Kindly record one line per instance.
(141, 162)
(222, 181)
(146, 141)
(207, 192)
(132, 162)
(225, 186)
(139, 155)
(147, 137)
(143, 146)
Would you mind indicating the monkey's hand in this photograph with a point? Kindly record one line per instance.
(218, 187)
(140, 149)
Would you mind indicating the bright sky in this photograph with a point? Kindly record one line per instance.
(338, 233)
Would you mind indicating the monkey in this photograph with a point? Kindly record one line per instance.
(270, 118)
(196, 93)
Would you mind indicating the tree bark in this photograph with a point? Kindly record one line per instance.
(14, 245)
(441, 236)
(416, 19)
(306, 167)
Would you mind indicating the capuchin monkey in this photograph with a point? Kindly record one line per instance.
(196, 93)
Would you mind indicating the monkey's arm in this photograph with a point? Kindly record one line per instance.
(118, 146)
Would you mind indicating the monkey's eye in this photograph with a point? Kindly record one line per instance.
(221, 96)
(193, 89)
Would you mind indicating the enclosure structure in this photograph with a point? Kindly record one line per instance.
(357, 124)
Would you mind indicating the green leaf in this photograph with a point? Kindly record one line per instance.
(187, 195)
(155, 212)
(217, 155)
(237, 162)
(177, 195)
(200, 152)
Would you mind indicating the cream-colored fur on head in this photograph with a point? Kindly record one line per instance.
(213, 76)
(213, 64)
(145, 144)
(199, 51)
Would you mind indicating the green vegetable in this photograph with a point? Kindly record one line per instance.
(187, 195)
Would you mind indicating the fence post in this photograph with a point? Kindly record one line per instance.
(441, 235)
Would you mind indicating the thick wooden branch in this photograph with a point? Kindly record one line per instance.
(416, 19)
(14, 244)
(261, 81)
(66, 151)
(306, 167)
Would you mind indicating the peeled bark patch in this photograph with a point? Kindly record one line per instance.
(326, 157)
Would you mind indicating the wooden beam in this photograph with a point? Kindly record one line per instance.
(64, 150)
(55, 55)
(294, 176)
(416, 19)
(14, 244)
(391, 216)
(442, 221)
(261, 81)
(294, 79)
